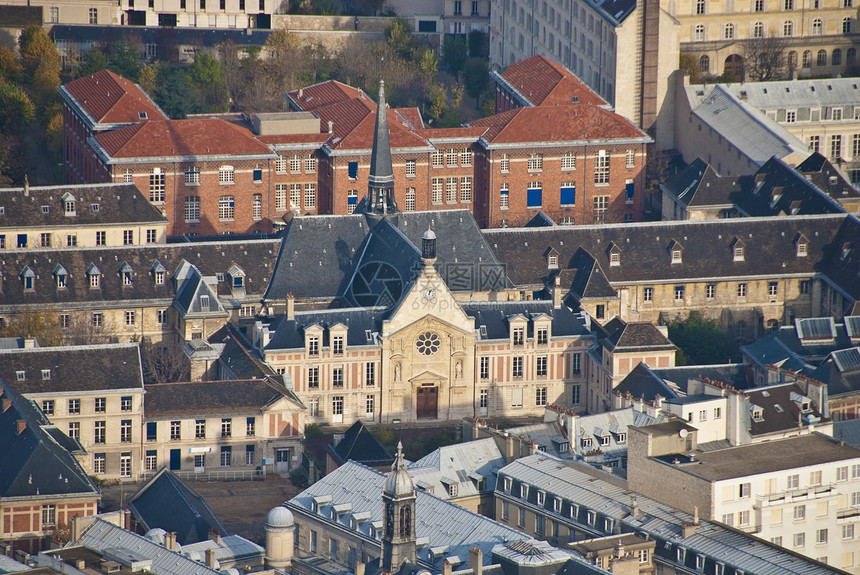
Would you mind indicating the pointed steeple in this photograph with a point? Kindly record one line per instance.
(398, 501)
(381, 180)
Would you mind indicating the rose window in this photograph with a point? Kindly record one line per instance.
(428, 343)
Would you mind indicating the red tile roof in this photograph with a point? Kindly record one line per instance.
(111, 99)
(195, 137)
(287, 139)
(545, 82)
(572, 122)
(411, 115)
(443, 134)
(353, 124)
(326, 93)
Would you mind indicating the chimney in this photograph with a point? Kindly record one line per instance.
(301, 92)
(359, 568)
(556, 293)
(80, 564)
(29, 343)
(446, 568)
(570, 426)
(330, 126)
(218, 537)
(509, 448)
(476, 560)
(634, 508)
(688, 530)
(210, 558)
(696, 515)
(291, 306)
(22, 425)
(170, 541)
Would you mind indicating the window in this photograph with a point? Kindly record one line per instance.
(152, 431)
(648, 294)
(130, 318)
(542, 336)
(505, 163)
(295, 196)
(45, 240)
(226, 427)
(249, 460)
(630, 159)
(788, 4)
(848, 531)
(257, 207)
(450, 190)
(815, 478)
(541, 367)
(729, 31)
(370, 374)
(837, 112)
(803, 286)
(101, 405)
(49, 515)
(743, 490)
(758, 30)
(816, 26)
(679, 294)
(503, 197)
(484, 369)
(281, 165)
(451, 158)
(742, 290)
(352, 199)
(534, 194)
(55, 15)
(352, 170)
(175, 433)
(125, 403)
(94, 15)
(99, 432)
(313, 377)
(74, 406)
(814, 143)
(226, 175)
(192, 209)
(601, 168)
(101, 238)
(601, 206)
(790, 116)
(821, 536)
(409, 204)
(150, 463)
(310, 196)
(226, 208)
(466, 189)
(337, 377)
(836, 146)
(484, 398)
(337, 405)
(200, 429)
(436, 190)
(226, 455)
(700, 7)
(337, 345)
(310, 165)
(517, 369)
(99, 462)
(699, 33)
(799, 512)
(788, 28)
(576, 363)
(75, 430)
(821, 58)
(410, 168)
(846, 25)
(568, 161)
(535, 163)
(437, 158)
(48, 407)
(743, 517)
(127, 237)
(125, 431)
(156, 185)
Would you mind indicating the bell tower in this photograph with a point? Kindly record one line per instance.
(398, 501)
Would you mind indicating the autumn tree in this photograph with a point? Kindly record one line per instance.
(39, 324)
(41, 63)
(165, 362)
(205, 76)
(282, 62)
(764, 58)
(10, 67)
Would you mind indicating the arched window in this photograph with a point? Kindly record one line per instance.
(816, 27)
(836, 57)
(788, 28)
(758, 30)
(705, 64)
(807, 59)
(851, 57)
(792, 60)
(700, 33)
(822, 58)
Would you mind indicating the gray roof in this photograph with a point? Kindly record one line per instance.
(79, 368)
(699, 185)
(462, 463)
(796, 93)
(848, 431)
(748, 129)
(321, 256)
(440, 523)
(381, 171)
(102, 536)
(733, 548)
(36, 460)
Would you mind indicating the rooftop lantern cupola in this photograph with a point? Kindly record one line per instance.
(428, 247)
(380, 188)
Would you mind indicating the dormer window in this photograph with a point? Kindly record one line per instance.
(801, 245)
(553, 262)
(524, 491)
(159, 278)
(757, 413)
(675, 249)
(125, 271)
(518, 335)
(615, 259)
(69, 204)
(313, 345)
(60, 275)
(737, 250)
(204, 302)
(158, 273)
(28, 278)
(95, 276)
(622, 438)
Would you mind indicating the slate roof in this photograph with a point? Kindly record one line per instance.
(36, 461)
(495, 319)
(733, 374)
(108, 99)
(539, 80)
(165, 502)
(114, 204)
(289, 333)
(461, 464)
(699, 185)
(558, 125)
(442, 525)
(210, 398)
(358, 444)
(750, 131)
(176, 140)
(645, 257)
(848, 430)
(618, 335)
(102, 536)
(826, 177)
(780, 412)
(320, 255)
(255, 257)
(735, 549)
(796, 93)
(80, 368)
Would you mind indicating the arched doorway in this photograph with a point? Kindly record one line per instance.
(734, 65)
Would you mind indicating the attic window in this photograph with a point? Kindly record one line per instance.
(95, 207)
(801, 248)
(142, 115)
(622, 438)
(20, 375)
(615, 259)
(159, 278)
(204, 302)
(46, 209)
(738, 253)
(676, 255)
(758, 414)
(69, 204)
(238, 281)
(553, 262)
(46, 374)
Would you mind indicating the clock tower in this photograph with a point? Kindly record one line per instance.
(398, 501)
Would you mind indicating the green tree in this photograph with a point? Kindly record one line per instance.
(41, 63)
(478, 44)
(126, 59)
(476, 77)
(10, 68)
(148, 77)
(16, 109)
(702, 341)
(454, 54)
(205, 75)
(397, 35)
(690, 64)
(438, 97)
(94, 61)
(175, 96)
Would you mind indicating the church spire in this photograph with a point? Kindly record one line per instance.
(381, 180)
